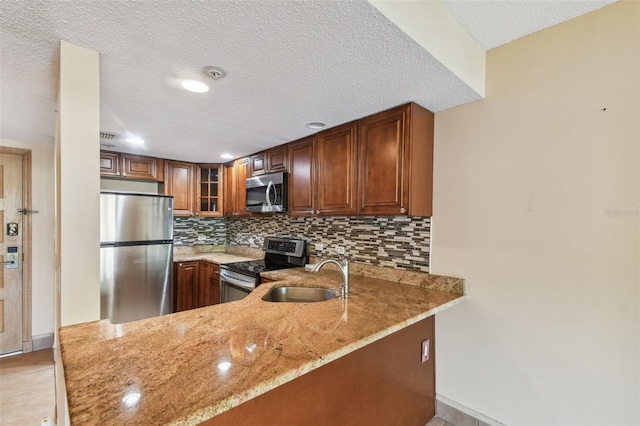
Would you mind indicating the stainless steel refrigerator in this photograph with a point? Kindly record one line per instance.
(136, 256)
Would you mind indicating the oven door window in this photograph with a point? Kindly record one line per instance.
(230, 292)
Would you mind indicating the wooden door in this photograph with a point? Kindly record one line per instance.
(337, 164)
(382, 163)
(11, 249)
(179, 182)
(302, 178)
(186, 276)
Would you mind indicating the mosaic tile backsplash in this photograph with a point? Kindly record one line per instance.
(192, 231)
(389, 241)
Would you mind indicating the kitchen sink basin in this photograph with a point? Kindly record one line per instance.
(299, 294)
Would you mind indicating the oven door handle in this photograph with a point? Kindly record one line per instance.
(236, 283)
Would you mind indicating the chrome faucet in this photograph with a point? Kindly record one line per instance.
(344, 268)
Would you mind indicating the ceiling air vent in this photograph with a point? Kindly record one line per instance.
(108, 136)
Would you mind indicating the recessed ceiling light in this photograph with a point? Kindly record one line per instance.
(194, 86)
(226, 156)
(135, 140)
(316, 125)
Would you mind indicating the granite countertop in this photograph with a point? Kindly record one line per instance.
(187, 367)
(216, 254)
(215, 257)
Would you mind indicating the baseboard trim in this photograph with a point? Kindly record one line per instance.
(42, 341)
(473, 416)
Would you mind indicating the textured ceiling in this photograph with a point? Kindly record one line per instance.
(287, 63)
(495, 22)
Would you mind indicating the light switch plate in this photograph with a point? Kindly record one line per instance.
(425, 350)
(339, 249)
(319, 247)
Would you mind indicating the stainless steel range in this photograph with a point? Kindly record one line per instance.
(239, 279)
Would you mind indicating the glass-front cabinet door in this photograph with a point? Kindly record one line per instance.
(209, 190)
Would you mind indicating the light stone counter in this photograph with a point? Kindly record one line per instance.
(187, 367)
(216, 254)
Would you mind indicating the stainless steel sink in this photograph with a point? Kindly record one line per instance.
(299, 294)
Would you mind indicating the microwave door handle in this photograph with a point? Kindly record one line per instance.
(268, 193)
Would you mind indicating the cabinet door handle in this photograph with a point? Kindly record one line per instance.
(403, 210)
(124, 175)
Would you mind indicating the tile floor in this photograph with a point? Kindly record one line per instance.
(27, 388)
(437, 421)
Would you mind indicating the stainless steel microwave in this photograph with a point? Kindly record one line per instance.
(267, 193)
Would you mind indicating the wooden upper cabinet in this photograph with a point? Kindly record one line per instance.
(109, 164)
(396, 162)
(273, 160)
(337, 166)
(302, 180)
(278, 159)
(258, 164)
(142, 168)
(235, 189)
(179, 182)
(130, 166)
(209, 197)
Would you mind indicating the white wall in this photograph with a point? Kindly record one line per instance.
(78, 185)
(42, 223)
(525, 185)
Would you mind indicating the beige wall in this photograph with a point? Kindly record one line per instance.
(78, 185)
(536, 205)
(42, 223)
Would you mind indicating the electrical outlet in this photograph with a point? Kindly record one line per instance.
(425, 350)
(339, 250)
(319, 247)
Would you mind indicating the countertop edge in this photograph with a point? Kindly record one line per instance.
(264, 387)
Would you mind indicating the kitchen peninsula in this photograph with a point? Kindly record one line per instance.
(189, 367)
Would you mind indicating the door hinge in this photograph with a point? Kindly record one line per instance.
(25, 211)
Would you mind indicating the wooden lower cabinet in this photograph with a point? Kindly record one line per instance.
(208, 289)
(384, 383)
(185, 280)
(196, 285)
